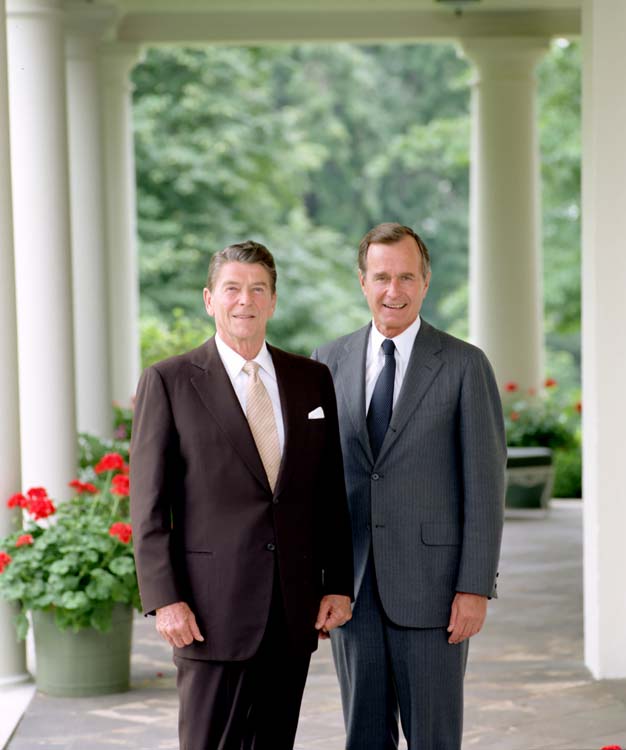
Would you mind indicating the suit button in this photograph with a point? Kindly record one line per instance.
(270, 547)
(375, 477)
(275, 500)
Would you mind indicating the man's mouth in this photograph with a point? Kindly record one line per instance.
(394, 307)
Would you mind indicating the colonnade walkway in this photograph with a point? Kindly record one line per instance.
(526, 686)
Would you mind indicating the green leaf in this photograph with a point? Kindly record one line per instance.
(101, 584)
(101, 616)
(122, 566)
(74, 600)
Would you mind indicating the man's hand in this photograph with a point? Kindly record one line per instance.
(467, 616)
(334, 611)
(176, 623)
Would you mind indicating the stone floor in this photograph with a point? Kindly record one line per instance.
(526, 686)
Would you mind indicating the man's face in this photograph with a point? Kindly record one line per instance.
(394, 285)
(241, 302)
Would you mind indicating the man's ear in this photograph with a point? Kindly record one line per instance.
(362, 281)
(427, 284)
(208, 301)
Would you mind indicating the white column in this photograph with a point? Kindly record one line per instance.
(42, 242)
(117, 62)
(604, 342)
(12, 653)
(506, 301)
(85, 25)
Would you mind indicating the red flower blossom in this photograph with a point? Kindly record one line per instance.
(83, 486)
(578, 406)
(41, 507)
(514, 416)
(550, 383)
(120, 485)
(611, 747)
(37, 493)
(122, 531)
(4, 561)
(110, 462)
(17, 501)
(511, 387)
(24, 539)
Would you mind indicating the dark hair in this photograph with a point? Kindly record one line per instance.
(388, 234)
(243, 252)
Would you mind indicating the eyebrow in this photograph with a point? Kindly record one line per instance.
(238, 283)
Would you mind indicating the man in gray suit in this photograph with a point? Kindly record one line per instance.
(424, 453)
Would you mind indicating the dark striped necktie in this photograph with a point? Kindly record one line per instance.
(381, 405)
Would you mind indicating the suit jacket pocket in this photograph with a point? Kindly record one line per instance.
(441, 534)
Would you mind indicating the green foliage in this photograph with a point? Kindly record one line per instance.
(161, 338)
(568, 472)
(77, 562)
(559, 121)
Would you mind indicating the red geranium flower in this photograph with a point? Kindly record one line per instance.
(511, 387)
(110, 462)
(83, 486)
(4, 561)
(37, 493)
(611, 747)
(122, 531)
(41, 508)
(120, 485)
(514, 416)
(24, 539)
(578, 406)
(550, 383)
(17, 501)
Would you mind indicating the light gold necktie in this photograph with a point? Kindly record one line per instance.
(260, 414)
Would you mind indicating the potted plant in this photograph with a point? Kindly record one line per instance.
(537, 424)
(71, 567)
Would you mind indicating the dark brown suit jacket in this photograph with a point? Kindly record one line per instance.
(207, 528)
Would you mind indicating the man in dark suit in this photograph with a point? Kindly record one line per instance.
(240, 523)
(424, 453)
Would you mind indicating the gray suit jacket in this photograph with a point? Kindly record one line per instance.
(431, 505)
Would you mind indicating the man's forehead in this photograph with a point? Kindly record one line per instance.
(386, 255)
(236, 271)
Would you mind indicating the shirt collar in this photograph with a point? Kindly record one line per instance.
(234, 362)
(403, 341)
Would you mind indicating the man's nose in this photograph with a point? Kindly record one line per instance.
(245, 297)
(393, 288)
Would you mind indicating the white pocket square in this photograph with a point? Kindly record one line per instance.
(317, 413)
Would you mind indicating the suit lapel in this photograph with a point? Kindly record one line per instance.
(421, 371)
(288, 389)
(216, 392)
(350, 384)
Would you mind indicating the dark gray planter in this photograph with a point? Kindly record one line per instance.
(530, 478)
(84, 663)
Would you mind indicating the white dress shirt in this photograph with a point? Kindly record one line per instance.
(234, 362)
(375, 358)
